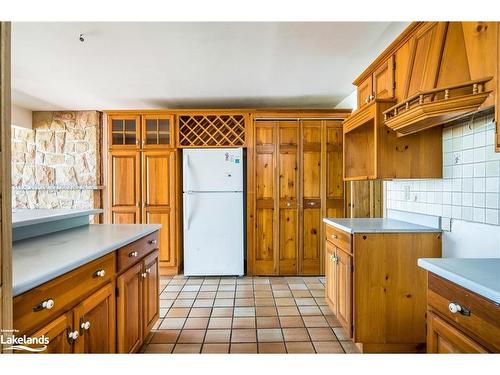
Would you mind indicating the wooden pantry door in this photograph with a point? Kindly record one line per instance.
(288, 194)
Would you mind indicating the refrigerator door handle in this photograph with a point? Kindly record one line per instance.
(187, 171)
(187, 216)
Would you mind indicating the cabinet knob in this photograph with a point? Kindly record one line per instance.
(73, 335)
(148, 270)
(311, 204)
(143, 275)
(456, 308)
(288, 204)
(152, 242)
(99, 273)
(334, 236)
(45, 305)
(85, 325)
(133, 254)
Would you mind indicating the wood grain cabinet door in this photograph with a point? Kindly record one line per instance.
(151, 299)
(124, 187)
(365, 90)
(124, 132)
(310, 253)
(333, 169)
(288, 194)
(57, 331)
(383, 80)
(265, 262)
(442, 337)
(95, 320)
(157, 131)
(159, 183)
(344, 290)
(130, 310)
(331, 277)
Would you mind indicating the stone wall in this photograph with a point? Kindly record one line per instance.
(58, 163)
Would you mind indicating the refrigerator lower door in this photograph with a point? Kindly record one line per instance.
(213, 234)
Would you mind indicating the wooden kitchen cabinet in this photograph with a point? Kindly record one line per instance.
(129, 309)
(365, 91)
(298, 181)
(137, 312)
(151, 292)
(159, 202)
(124, 131)
(124, 196)
(145, 182)
(364, 287)
(94, 318)
(57, 331)
(443, 338)
(378, 85)
(476, 330)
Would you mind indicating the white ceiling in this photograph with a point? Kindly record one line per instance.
(138, 65)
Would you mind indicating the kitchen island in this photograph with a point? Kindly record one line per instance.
(373, 284)
(90, 288)
(463, 305)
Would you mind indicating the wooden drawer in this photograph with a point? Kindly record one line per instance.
(483, 323)
(339, 238)
(135, 251)
(65, 291)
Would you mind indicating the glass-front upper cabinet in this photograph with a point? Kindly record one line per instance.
(124, 131)
(157, 131)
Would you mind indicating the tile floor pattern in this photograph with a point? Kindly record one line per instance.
(245, 315)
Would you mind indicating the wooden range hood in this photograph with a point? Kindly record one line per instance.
(435, 107)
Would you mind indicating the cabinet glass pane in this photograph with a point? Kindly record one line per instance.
(163, 138)
(151, 125)
(164, 125)
(151, 138)
(117, 138)
(117, 125)
(130, 125)
(130, 138)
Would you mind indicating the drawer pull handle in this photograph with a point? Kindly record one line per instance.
(334, 236)
(45, 305)
(100, 273)
(152, 242)
(85, 325)
(133, 254)
(456, 308)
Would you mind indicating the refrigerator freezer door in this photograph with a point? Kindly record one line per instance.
(213, 234)
(213, 169)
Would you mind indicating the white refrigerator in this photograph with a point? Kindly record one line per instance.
(213, 212)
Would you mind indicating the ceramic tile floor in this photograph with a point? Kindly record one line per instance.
(245, 315)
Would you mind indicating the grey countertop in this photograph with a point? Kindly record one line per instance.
(376, 225)
(479, 275)
(40, 259)
(25, 217)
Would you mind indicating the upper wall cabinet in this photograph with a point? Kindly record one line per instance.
(136, 131)
(434, 72)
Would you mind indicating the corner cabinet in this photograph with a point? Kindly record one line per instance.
(144, 179)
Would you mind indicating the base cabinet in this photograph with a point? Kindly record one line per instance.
(57, 331)
(138, 303)
(381, 309)
(445, 339)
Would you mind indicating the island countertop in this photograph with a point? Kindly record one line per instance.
(40, 259)
(479, 275)
(377, 225)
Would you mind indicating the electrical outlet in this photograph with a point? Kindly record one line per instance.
(407, 192)
(446, 224)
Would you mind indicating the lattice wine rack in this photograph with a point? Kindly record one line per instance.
(219, 130)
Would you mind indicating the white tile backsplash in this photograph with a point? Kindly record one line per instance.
(470, 188)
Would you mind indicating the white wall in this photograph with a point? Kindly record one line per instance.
(349, 102)
(22, 117)
(468, 196)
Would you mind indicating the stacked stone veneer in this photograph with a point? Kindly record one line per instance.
(58, 163)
